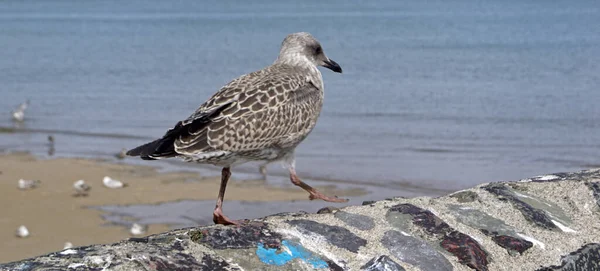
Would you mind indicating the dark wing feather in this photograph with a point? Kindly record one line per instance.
(164, 147)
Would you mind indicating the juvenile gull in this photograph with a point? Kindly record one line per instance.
(81, 188)
(260, 116)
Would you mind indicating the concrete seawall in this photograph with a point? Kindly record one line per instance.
(549, 222)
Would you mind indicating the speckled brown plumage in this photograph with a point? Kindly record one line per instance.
(261, 116)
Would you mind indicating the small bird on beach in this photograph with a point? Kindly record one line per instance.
(50, 145)
(18, 114)
(81, 188)
(28, 184)
(137, 229)
(122, 154)
(22, 231)
(260, 116)
(113, 183)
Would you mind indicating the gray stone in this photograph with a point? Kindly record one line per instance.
(480, 220)
(327, 210)
(585, 258)
(464, 196)
(361, 222)
(537, 216)
(414, 251)
(595, 187)
(382, 263)
(337, 236)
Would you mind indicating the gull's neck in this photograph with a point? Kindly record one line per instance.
(295, 59)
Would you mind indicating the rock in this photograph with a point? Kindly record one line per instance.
(595, 187)
(464, 196)
(526, 225)
(327, 210)
(382, 263)
(501, 233)
(585, 258)
(337, 236)
(464, 247)
(361, 222)
(536, 216)
(414, 251)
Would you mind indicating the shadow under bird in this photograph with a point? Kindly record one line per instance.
(260, 116)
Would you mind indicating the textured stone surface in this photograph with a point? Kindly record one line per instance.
(530, 224)
(595, 187)
(537, 216)
(382, 263)
(585, 258)
(361, 222)
(414, 251)
(501, 233)
(337, 236)
(463, 246)
(245, 236)
(464, 196)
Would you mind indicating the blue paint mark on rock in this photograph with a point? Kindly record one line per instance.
(287, 252)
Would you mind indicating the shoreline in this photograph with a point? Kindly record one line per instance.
(54, 216)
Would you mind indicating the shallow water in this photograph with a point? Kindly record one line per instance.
(435, 94)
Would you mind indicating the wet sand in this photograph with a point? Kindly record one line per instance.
(54, 216)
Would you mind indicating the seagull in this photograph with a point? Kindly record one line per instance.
(28, 184)
(260, 116)
(81, 188)
(137, 229)
(112, 183)
(122, 154)
(19, 113)
(50, 145)
(22, 231)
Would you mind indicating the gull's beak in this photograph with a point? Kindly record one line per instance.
(332, 65)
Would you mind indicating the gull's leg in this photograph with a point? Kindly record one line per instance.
(314, 193)
(218, 216)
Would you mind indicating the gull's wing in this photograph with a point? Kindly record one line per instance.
(269, 108)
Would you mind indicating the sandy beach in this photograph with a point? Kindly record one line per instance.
(54, 216)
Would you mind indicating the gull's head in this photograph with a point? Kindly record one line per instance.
(302, 48)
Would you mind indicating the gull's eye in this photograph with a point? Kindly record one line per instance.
(318, 50)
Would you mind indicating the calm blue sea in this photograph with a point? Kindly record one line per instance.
(439, 94)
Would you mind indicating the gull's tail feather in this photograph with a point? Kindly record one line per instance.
(161, 148)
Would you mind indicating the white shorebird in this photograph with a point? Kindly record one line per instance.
(67, 245)
(19, 113)
(22, 231)
(28, 184)
(113, 183)
(137, 229)
(260, 116)
(81, 188)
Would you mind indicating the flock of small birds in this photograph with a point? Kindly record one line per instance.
(82, 189)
